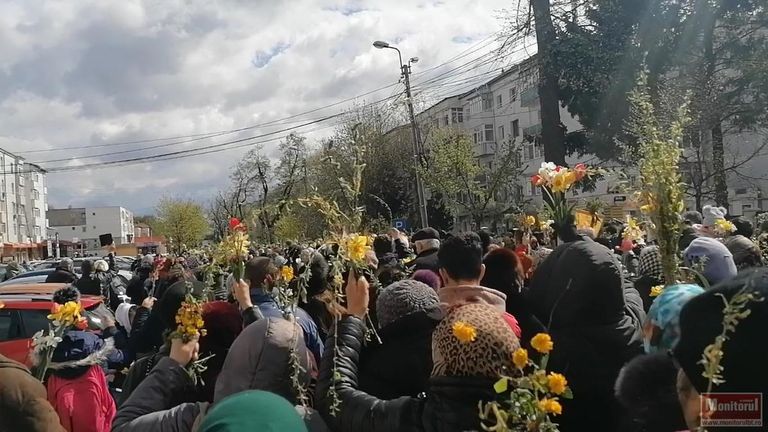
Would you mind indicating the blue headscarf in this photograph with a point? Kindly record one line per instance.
(665, 314)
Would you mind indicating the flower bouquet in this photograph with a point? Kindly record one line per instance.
(63, 318)
(530, 394)
(233, 249)
(555, 181)
(190, 326)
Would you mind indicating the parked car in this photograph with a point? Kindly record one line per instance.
(39, 276)
(26, 312)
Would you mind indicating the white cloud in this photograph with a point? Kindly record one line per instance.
(89, 72)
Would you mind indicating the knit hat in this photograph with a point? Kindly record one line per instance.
(745, 352)
(428, 277)
(664, 313)
(712, 214)
(254, 410)
(426, 234)
(649, 262)
(718, 265)
(473, 340)
(404, 298)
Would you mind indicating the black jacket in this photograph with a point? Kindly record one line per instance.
(89, 285)
(451, 404)
(595, 319)
(643, 285)
(61, 276)
(402, 364)
(427, 260)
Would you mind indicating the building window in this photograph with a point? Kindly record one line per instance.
(515, 128)
(512, 94)
(746, 206)
(498, 101)
(487, 102)
(38, 231)
(37, 212)
(488, 132)
(477, 136)
(85, 229)
(501, 132)
(475, 105)
(445, 122)
(529, 152)
(74, 228)
(457, 115)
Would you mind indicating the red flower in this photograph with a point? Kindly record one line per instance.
(234, 223)
(581, 171)
(537, 180)
(82, 324)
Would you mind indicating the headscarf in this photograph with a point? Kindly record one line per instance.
(122, 315)
(253, 410)
(665, 314)
(649, 262)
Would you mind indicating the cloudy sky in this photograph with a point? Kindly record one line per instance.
(81, 78)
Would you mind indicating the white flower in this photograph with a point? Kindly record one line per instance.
(550, 166)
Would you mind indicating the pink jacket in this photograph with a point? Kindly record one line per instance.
(84, 403)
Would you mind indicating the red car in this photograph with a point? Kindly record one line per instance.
(26, 312)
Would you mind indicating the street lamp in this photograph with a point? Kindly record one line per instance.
(405, 71)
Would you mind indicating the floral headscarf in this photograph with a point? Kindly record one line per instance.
(665, 315)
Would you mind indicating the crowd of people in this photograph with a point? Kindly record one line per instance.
(388, 357)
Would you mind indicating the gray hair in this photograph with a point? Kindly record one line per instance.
(101, 265)
(427, 244)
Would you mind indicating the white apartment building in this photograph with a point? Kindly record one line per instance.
(84, 225)
(23, 205)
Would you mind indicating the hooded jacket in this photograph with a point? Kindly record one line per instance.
(595, 319)
(451, 295)
(259, 359)
(23, 401)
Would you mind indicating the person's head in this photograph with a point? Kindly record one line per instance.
(253, 410)
(86, 268)
(318, 275)
(661, 329)
(456, 353)
(167, 305)
(405, 298)
(100, 266)
(649, 262)
(66, 294)
(426, 239)
(427, 277)
(66, 264)
(712, 214)
(503, 272)
(716, 259)
(692, 217)
(13, 265)
(485, 240)
(260, 359)
(461, 260)
(743, 227)
(124, 315)
(744, 350)
(746, 253)
(260, 273)
(223, 323)
(383, 245)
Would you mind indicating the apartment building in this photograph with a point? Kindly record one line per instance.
(84, 225)
(23, 207)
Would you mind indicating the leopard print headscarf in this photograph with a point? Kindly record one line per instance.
(488, 355)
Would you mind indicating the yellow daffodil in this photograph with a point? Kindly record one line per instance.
(559, 183)
(464, 332)
(66, 314)
(286, 273)
(189, 320)
(569, 178)
(542, 343)
(520, 358)
(530, 221)
(550, 406)
(656, 291)
(556, 383)
(724, 226)
(357, 246)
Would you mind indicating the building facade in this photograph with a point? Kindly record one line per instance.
(23, 208)
(84, 225)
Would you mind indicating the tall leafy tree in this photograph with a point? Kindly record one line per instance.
(182, 222)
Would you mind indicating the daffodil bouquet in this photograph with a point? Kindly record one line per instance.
(723, 228)
(555, 181)
(233, 249)
(285, 297)
(530, 395)
(190, 326)
(63, 318)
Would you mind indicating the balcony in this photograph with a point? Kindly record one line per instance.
(485, 148)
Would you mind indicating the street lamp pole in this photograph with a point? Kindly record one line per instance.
(418, 154)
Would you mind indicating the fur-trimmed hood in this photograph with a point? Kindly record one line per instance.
(77, 351)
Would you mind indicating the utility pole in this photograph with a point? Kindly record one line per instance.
(418, 152)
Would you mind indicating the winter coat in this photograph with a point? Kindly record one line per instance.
(84, 404)
(23, 401)
(388, 260)
(643, 285)
(136, 289)
(451, 403)
(157, 404)
(61, 276)
(89, 285)
(426, 260)
(402, 364)
(530, 325)
(595, 319)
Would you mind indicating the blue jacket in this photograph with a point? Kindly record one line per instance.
(268, 307)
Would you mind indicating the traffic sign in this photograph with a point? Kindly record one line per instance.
(401, 224)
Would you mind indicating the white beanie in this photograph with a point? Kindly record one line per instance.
(712, 214)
